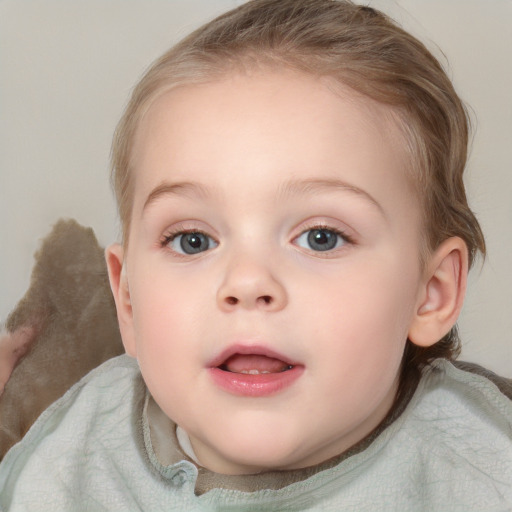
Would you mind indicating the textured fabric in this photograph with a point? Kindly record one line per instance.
(165, 449)
(451, 449)
(185, 444)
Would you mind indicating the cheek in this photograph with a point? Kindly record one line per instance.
(365, 331)
(161, 333)
(170, 314)
(155, 312)
(366, 300)
(365, 315)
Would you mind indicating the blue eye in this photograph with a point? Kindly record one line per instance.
(192, 242)
(321, 239)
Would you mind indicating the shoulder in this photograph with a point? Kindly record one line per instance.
(102, 394)
(503, 384)
(463, 393)
(98, 394)
(83, 429)
(451, 448)
(459, 426)
(463, 384)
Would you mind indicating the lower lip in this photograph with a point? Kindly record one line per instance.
(264, 384)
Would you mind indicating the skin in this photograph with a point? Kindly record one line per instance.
(255, 161)
(13, 346)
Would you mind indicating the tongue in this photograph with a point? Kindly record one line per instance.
(245, 363)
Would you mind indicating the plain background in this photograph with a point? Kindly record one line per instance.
(67, 68)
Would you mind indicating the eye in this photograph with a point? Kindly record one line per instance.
(191, 242)
(321, 239)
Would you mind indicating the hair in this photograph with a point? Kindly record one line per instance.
(358, 47)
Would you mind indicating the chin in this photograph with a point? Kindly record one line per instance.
(246, 455)
(253, 440)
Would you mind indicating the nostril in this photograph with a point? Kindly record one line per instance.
(262, 300)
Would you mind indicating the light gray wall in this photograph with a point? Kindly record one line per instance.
(66, 69)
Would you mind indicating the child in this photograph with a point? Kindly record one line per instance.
(296, 239)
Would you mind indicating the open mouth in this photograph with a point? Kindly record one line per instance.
(254, 364)
(254, 371)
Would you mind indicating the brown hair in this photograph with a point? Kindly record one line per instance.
(360, 48)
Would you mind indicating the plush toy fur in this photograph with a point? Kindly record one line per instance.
(64, 326)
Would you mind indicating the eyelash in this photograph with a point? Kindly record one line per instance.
(172, 235)
(180, 231)
(347, 239)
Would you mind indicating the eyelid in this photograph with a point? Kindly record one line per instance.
(170, 237)
(182, 228)
(348, 239)
(332, 225)
(189, 226)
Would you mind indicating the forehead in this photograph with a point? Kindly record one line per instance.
(283, 123)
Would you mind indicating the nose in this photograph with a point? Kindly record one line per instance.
(250, 285)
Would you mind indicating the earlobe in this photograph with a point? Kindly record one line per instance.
(442, 293)
(116, 266)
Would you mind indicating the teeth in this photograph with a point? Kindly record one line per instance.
(253, 371)
(257, 372)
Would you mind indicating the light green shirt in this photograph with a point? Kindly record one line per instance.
(93, 450)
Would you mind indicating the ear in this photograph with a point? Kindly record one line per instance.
(114, 256)
(442, 293)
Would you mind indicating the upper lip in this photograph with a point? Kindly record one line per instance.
(247, 349)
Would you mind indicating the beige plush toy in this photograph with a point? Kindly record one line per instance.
(64, 326)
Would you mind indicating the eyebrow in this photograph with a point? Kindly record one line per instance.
(182, 188)
(313, 185)
(307, 186)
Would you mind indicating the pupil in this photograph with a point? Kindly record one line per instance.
(322, 239)
(193, 243)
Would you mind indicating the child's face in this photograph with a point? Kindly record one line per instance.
(273, 230)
